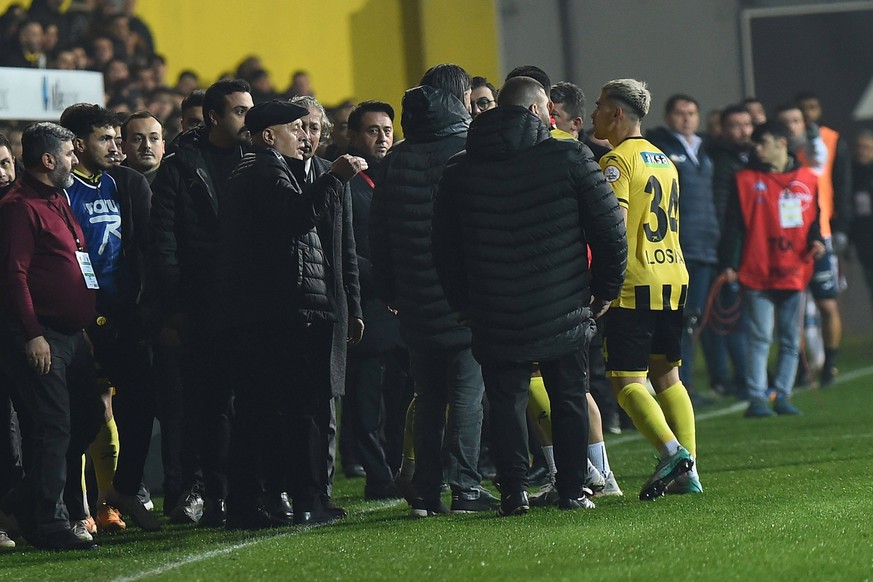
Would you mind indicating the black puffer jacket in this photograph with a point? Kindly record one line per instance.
(512, 220)
(435, 126)
(271, 267)
(184, 231)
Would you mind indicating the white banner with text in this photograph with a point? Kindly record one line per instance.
(43, 94)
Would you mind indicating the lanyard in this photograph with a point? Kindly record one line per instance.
(62, 210)
(367, 179)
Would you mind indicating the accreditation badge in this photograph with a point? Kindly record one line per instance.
(790, 212)
(87, 270)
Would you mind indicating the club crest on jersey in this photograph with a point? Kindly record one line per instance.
(655, 159)
(611, 173)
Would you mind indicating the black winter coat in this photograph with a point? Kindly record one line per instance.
(513, 216)
(435, 125)
(134, 200)
(184, 231)
(272, 268)
(382, 332)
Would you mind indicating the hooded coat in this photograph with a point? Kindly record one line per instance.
(435, 128)
(514, 215)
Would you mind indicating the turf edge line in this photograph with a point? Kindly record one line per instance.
(199, 557)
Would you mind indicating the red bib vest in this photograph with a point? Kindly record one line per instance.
(778, 211)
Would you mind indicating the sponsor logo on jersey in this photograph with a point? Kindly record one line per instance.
(655, 159)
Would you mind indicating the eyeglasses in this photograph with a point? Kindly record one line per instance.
(483, 103)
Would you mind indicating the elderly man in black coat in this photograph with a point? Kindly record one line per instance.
(512, 219)
(276, 303)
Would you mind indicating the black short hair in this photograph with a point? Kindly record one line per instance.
(187, 73)
(4, 142)
(771, 127)
(138, 115)
(570, 97)
(83, 118)
(358, 112)
(732, 110)
(787, 106)
(448, 77)
(805, 95)
(676, 98)
(533, 72)
(477, 82)
(213, 98)
(195, 99)
(42, 138)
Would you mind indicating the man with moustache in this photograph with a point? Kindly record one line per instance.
(277, 310)
(184, 242)
(44, 346)
(338, 241)
(142, 141)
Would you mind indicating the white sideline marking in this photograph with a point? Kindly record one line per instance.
(199, 557)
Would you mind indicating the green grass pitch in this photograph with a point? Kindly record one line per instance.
(786, 499)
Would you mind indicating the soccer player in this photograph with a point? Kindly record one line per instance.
(644, 325)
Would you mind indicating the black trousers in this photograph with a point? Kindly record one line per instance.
(280, 374)
(507, 385)
(362, 412)
(125, 358)
(179, 440)
(11, 469)
(208, 408)
(65, 411)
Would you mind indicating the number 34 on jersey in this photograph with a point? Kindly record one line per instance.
(646, 184)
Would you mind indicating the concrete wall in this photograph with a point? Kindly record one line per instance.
(689, 46)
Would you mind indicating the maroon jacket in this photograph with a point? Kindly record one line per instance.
(41, 283)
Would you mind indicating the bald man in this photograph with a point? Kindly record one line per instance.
(514, 267)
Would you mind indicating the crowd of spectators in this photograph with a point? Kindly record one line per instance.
(107, 37)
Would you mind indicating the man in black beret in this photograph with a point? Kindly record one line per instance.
(273, 281)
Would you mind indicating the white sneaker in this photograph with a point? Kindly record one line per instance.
(594, 479)
(611, 487)
(80, 530)
(6, 542)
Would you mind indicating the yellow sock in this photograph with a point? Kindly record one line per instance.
(539, 407)
(646, 415)
(679, 413)
(104, 455)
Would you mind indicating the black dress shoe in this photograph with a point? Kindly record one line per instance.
(381, 491)
(214, 513)
(513, 504)
(253, 517)
(63, 539)
(330, 507)
(279, 507)
(354, 471)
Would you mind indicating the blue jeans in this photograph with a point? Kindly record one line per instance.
(723, 346)
(717, 348)
(453, 378)
(763, 309)
(700, 277)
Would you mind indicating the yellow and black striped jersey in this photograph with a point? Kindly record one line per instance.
(646, 183)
